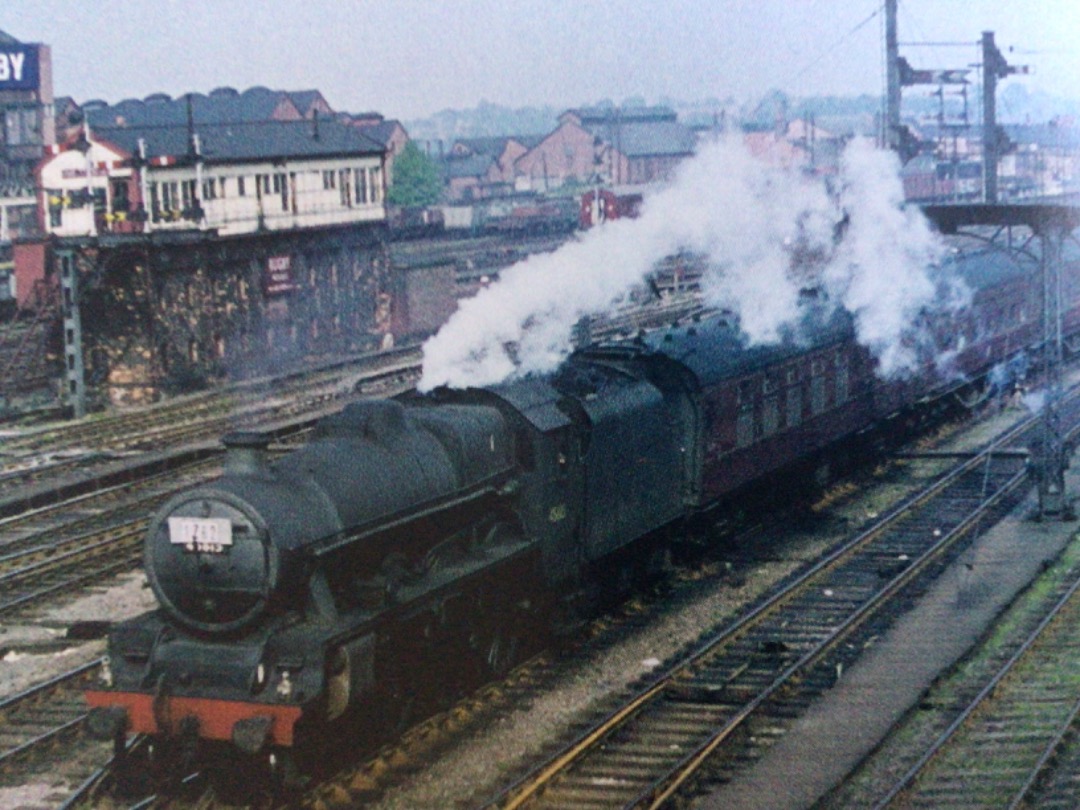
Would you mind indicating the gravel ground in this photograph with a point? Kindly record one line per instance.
(35, 650)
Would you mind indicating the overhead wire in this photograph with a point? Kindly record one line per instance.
(831, 48)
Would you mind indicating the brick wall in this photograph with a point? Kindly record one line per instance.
(163, 321)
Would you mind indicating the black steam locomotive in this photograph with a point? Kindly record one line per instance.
(416, 539)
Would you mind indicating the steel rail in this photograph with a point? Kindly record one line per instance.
(87, 786)
(76, 434)
(529, 786)
(1052, 747)
(14, 701)
(949, 734)
(693, 762)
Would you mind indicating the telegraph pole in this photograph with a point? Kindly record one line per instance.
(991, 59)
(892, 78)
(994, 67)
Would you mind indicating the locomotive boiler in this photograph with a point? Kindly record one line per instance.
(416, 544)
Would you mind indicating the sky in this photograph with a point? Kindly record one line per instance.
(408, 59)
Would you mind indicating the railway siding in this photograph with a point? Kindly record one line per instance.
(892, 677)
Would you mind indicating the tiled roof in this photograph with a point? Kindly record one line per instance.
(263, 140)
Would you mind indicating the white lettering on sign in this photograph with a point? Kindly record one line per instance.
(11, 66)
(278, 278)
(204, 535)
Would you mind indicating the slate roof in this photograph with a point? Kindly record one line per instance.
(494, 145)
(261, 140)
(1046, 136)
(467, 166)
(648, 139)
(220, 107)
(381, 132)
(304, 99)
(590, 116)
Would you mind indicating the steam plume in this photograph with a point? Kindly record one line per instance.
(746, 218)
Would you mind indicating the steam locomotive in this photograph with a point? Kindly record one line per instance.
(427, 538)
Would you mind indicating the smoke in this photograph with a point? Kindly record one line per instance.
(881, 272)
(766, 233)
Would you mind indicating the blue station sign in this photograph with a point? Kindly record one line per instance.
(20, 68)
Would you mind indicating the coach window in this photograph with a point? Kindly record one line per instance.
(240, 190)
(770, 415)
(842, 380)
(817, 387)
(744, 419)
(794, 398)
(744, 425)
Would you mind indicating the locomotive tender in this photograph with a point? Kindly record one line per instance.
(330, 585)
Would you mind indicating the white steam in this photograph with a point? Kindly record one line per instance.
(747, 219)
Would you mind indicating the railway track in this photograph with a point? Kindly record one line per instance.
(506, 706)
(191, 444)
(51, 451)
(726, 701)
(1004, 737)
(972, 486)
(83, 531)
(38, 718)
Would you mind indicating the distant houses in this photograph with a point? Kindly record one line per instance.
(611, 145)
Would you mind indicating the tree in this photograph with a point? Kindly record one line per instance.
(416, 178)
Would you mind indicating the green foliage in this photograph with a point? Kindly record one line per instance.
(416, 178)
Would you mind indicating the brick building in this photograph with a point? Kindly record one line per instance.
(227, 179)
(478, 168)
(618, 146)
(209, 237)
(26, 131)
(389, 133)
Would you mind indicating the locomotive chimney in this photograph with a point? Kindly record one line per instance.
(245, 453)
